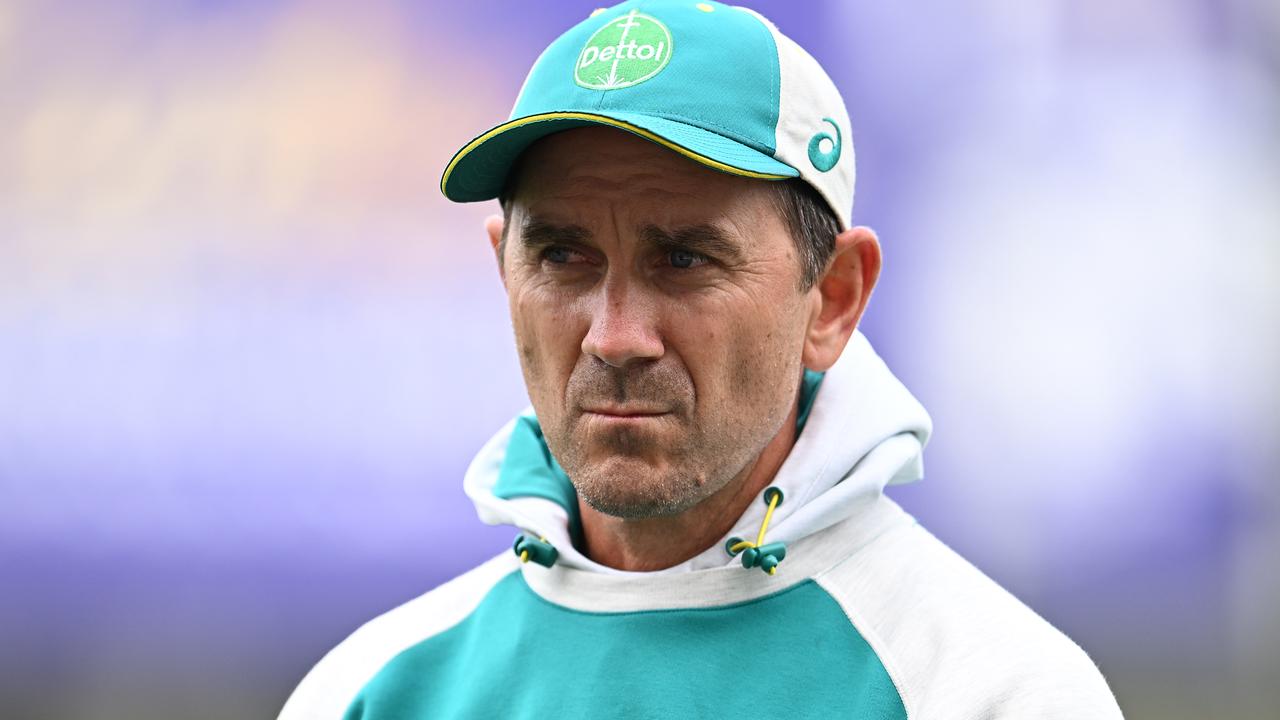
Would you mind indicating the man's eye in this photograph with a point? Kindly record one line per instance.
(559, 255)
(685, 259)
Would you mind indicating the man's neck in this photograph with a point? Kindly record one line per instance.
(662, 542)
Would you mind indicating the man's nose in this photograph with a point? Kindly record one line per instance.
(623, 325)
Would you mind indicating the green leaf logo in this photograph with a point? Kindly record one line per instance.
(625, 52)
(824, 160)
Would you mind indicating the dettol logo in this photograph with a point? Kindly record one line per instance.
(625, 52)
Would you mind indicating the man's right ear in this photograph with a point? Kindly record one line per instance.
(493, 226)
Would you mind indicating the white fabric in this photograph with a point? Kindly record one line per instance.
(807, 96)
(590, 591)
(956, 644)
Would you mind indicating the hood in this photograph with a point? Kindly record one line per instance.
(861, 430)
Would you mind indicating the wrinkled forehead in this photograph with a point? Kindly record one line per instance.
(597, 174)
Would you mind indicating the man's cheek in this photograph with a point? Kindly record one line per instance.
(735, 351)
(529, 360)
(526, 338)
(541, 344)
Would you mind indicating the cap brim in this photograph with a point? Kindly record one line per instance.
(479, 169)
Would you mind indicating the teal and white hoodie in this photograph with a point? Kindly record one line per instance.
(868, 615)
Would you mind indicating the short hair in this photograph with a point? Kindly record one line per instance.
(809, 219)
(812, 224)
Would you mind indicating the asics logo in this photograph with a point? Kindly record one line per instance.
(825, 158)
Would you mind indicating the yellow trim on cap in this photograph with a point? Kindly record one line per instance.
(604, 120)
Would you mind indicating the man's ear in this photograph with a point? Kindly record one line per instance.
(841, 296)
(493, 226)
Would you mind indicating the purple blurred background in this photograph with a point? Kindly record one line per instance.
(247, 350)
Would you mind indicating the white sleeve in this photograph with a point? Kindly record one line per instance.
(957, 645)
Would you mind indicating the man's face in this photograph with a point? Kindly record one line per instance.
(657, 317)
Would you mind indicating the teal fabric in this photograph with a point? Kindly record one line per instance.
(530, 470)
(808, 393)
(793, 654)
(711, 54)
(723, 77)
(482, 172)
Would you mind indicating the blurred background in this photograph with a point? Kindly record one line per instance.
(247, 350)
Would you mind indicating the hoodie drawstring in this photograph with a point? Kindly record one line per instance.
(539, 551)
(757, 554)
(754, 554)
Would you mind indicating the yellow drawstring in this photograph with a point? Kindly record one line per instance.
(768, 515)
(736, 545)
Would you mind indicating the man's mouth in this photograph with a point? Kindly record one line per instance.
(624, 411)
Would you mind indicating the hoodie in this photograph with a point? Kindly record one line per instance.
(859, 611)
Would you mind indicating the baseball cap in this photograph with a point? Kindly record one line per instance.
(716, 83)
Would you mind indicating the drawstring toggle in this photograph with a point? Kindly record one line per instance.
(765, 557)
(537, 550)
(757, 554)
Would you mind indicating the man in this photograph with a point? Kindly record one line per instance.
(699, 482)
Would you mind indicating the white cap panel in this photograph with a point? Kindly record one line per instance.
(810, 107)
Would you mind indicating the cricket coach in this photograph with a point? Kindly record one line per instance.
(698, 485)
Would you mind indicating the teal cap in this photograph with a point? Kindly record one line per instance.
(718, 84)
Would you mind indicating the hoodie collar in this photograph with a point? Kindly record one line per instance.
(863, 430)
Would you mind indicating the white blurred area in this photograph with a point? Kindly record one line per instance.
(1095, 308)
(223, 258)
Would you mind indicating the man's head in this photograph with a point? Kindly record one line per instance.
(663, 312)
(676, 242)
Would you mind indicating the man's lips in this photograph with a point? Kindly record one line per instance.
(624, 411)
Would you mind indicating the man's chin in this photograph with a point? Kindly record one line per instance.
(634, 488)
(631, 471)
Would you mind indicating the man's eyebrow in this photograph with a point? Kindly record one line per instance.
(705, 239)
(535, 232)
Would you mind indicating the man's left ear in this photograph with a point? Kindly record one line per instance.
(841, 296)
(493, 228)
